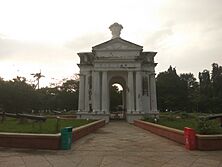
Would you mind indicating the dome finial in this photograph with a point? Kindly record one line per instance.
(116, 30)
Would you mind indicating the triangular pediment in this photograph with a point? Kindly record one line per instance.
(117, 44)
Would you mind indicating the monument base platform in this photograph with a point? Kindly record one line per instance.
(130, 117)
(134, 116)
(94, 116)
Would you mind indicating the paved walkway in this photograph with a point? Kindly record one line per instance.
(118, 144)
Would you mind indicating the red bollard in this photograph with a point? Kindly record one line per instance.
(190, 138)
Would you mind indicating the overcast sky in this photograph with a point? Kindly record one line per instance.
(47, 34)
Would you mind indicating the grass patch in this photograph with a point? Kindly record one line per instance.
(50, 126)
(191, 120)
(178, 123)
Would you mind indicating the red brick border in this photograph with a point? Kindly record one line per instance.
(82, 131)
(203, 142)
(26, 140)
(170, 133)
(45, 141)
(209, 142)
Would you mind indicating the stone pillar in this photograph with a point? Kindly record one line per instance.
(87, 92)
(104, 92)
(123, 99)
(93, 91)
(130, 103)
(96, 91)
(81, 93)
(153, 93)
(149, 94)
(138, 91)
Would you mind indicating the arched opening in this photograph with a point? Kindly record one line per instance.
(117, 98)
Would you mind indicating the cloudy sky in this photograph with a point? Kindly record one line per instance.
(47, 34)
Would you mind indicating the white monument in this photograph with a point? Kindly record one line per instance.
(117, 61)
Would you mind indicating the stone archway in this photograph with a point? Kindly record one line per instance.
(123, 62)
(121, 112)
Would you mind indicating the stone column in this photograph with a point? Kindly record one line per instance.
(96, 91)
(153, 93)
(93, 91)
(138, 91)
(123, 99)
(149, 94)
(130, 90)
(87, 92)
(81, 93)
(104, 92)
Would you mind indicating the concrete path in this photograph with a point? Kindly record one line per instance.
(118, 144)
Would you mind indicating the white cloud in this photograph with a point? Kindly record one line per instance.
(47, 34)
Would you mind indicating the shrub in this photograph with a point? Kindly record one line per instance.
(206, 126)
(184, 115)
(153, 119)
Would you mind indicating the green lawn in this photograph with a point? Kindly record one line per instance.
(50, 126)
(181, 120)
(178, 123)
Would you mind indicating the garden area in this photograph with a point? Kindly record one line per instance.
(50, 126)
(197, 121)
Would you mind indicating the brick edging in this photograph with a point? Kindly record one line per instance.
(170, 133)
(45, 141)
(203, 142)
(82, 131)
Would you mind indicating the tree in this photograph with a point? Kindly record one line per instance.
(69, 94)
(60, 97)
(193, 96)
(216, 79)
(205, 91)
(115, 98)
(19, 96)
(216, 82)
(171, 91)
(205, 83)
(16, 95)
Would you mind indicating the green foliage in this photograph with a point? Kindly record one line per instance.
(152, 119)
(174, 92)
(19, 96)
(185, 93)
(206, 126)
(192, 91)
(115, 98)
(171, 91)
(184, 115)
(179, 120)
(50, 126)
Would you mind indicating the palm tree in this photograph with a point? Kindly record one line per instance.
(37, 76)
